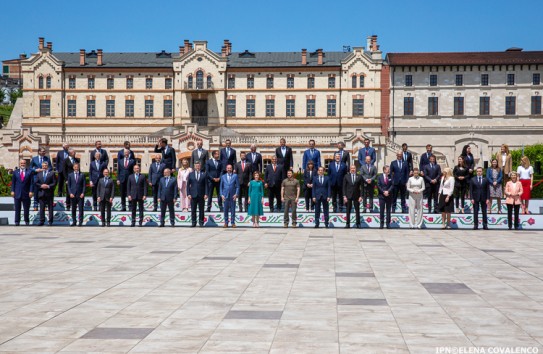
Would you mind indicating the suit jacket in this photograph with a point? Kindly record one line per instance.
(352, 190)
(431, 173)
(106, 191)
(69, 167)
(315, 157)
(22, 189)
(273, 178)
(123, 172)
(424, 160)
(204, 156)
(167, 192)
(76, 187)
(335, 176)
(229, 189)
(408, 157)
(35, 163)
(382, 187)
(489, 176)
(362, 153)
(470, 163)
(479, 191)
(508, 167)
(287, 161)
(104, 157)
(256, 162)
(321, 190)
(197, 188)
(155, 174)
(168, 156)
(120, 155)
(96, 173)
(212, 171)
(138, 190)
(307, 178)
(61, 155)
(345, 157)
(49, 180)
(227, 160)
(244, 176)
(399, 176)
(366, 173)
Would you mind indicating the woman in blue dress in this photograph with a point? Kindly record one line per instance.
(256, 199)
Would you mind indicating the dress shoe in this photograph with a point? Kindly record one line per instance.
(161, 225)
(225, 226)
(35, 208)
(133, 224)
(80, 224)
(294, 225)
(347, 226)
(41, 224)
(103, 225)
(193, 225)
(285, 226)
(485, 227)
(240, 210)
(326, 226)
(201, 225)
(381, 227)
(388, 226)
(141, 223)
(108, 224)
(27, 223)
(208, 210)
(123, 209)
(475, 228)
(50, 224)
(74, 224)
(221, 209)
(16, 224)
(95, 208)
(155, 209)
(172, 225)
(234, 226)
(316, 226)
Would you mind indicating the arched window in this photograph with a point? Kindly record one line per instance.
(40, 82)
(189, 81)
(354, 81)
(209, 82)
(48, 82)
(199, 79)
(362, 80)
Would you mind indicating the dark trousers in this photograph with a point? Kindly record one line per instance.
(461, 190)
(155, 196)
(124, 192)
(25, 202)
(321, 203)
(171, 207)
(137, 204)
(385, 204)
(95, 194)
(356, 204)
(68, 202)
(337, 193)
(105, 206)
(482, 205)
(400, 189)
(60, 184)
(368, 194)
(274, 193)
(433, 196)
(308, 196)
(46, 202)
(77, 203)
(243, 194)
(229, 211)
(214, 186)
(35, 190)
(200, 203)
(510, 209)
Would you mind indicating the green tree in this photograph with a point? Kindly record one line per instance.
(14, 95)
(2, 96)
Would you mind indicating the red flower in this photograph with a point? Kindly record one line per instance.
(182, 218)
(453, 221)
(263, 218)
(368, 219)
(431, 219)
(123, 218)
(531, 221)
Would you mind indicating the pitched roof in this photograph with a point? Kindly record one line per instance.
(282, 59)
(120, 60)
(513, 56)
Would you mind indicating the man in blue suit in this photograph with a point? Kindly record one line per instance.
(386, 191)
(120, 154)
(311, 154)
(104, 157)
(213, 173)
(35, 166)
(22, 185)
(432, 175)
(167, 195)
(367, 150)
(425, 158)
(76, 191)
(229, 194)
(156, 172)
(400, 174)
(137, 194)
(62, 155)
(480, 197)
(197, 192)
(125, 168)
(46, 183)
(96, 172)
(167, 152)
(228, 155)
(255, 158)
(336, 173)
(321, 196)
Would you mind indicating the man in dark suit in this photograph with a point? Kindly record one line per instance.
(106, 192)
(432, 174)
(35, 166)
(59, 166)
(255, 158)
(22, 187)
(407, 158)
(167, 152)
(479, 192)
(367, 150)
(213, 172)
(285, 158)
(197, 192)
(425, 158)
(228, 155)
(400, 175)
(229, 194)
(336, 172)
(385, 187)
(244, 171)
(273, 177)
(311, 154)
(345, 155)
(368, 173)
(46, 183)
(321, 197)
(352, 188)
(125, 166)
(156, 171)
(167, 195)
(76, 191)
(120, 154)
(199, 154)
(137, 193)
(68, 170)
(104, 157)
(96, 168)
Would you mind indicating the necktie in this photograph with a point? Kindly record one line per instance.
(97, 165)
(41, 160)
(310, 174)
(199, 153)
(72, 160)
(405, 156)
(273, 168)
(126, 163)
(215, 161)
(76, 175)
(22, 175)
(320, 179)
(137, 178)
(167, 180)
(367, 152)
(254, 157)
(228, 152)
(352, 176)
(386, 180)
(197, 176)
(165, 150)
(400, 165)
(105, 181)
(44, 175)
(368, 168)
(283, 151)
(243, 166)
(229, 178)
(337, 167)
(432, 166)
(311, 152)
(480, 181)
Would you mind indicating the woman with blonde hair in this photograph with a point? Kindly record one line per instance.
(446, 191)
(513, 192)
(526, 175)
(505, 162)
(182, 178)
(494, 176)
(415, 187)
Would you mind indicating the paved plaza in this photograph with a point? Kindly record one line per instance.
(151, 290)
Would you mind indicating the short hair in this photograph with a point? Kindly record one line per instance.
(432, 156)
(428, 145)
(97, 153)
(404, 144)
(126, 143)
(366, 139)
(253, 145)
(41, 148)
(97, 141)
(479, 168)
(71, 150)
(243, 152)
(337, 154)
(164, 140)
(228, 140)
(311, 140)
(197, 163)
(184, 159)
(415, 169)
(310, 162)
(283, 139)
(385, 167)
(76, 164)
(215, 152)
(342, 143)
(44, 162)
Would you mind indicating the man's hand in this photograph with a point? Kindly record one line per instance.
(144, 198)
(82, 195)
(282, 199)
(91, 184)
(118, 183)
(327, 199)
(223, 198)
(265, 185)
(360, 199)
(99, 199)
(314, 200)
(111, 200)
(487, 202)
(13, 194)
(385, 193)
(473, 201)
(130, 198)
(31, 194)
(205, 197)
(150, 184)
(345, 199)
(190, 198)
(158, 200)
(72, 196)
(235, 197)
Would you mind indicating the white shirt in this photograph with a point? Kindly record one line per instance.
(525, 173)
(447, 186)
(504, 158)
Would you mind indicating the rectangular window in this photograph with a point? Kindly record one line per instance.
(168, 108)
(536, 79)
(459, 106)
(250, 109)
(168, 83)
(536, 105)
(291, 108)
(433, 80)
(231, 82)
(110, 108)
(250, 82)
(358, 107)
(331, 107)
(149, 108)
(72, 110)
(45, 108)
(71, 83)
(408, 106)
(269, 82)
(5, 69)
(354, 80)
(432, 106)
(484, 79)
(459, 80)
(231, 108)
(290, 82)
(149, 83)
(510, 79)
(311, 108)
(129, 83)
(110, 84)
(510, 105)
(362, 79)
(90, 84)
(484, 106)
(270, 108)
(310, 82)
(48, 82)
(408, 80)
(91, 108)
(331, 82)
(129, 108)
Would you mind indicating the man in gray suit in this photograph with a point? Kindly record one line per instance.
(369, 173)
(105, 192)
(199, 154)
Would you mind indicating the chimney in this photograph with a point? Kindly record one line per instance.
(226, 46)
(304, 56)
(22, 56)
(190, 47)
(40, 41)
(186, 43)
(50, 46)
(223, 51)
(229, 47)
(181, 51)
(82, 57)
(374, 46)
(99, 60)
(319, 56)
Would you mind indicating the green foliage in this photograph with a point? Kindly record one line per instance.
(5, 112)
(2, 95)
(14, 95)
(5, 182)
(534, 153)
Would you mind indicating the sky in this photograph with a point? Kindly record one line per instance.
(276, 25)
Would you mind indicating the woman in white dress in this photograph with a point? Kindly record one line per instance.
(415, 187)
(182, 178)
(446, 190)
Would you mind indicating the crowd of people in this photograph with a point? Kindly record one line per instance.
(346, 185)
